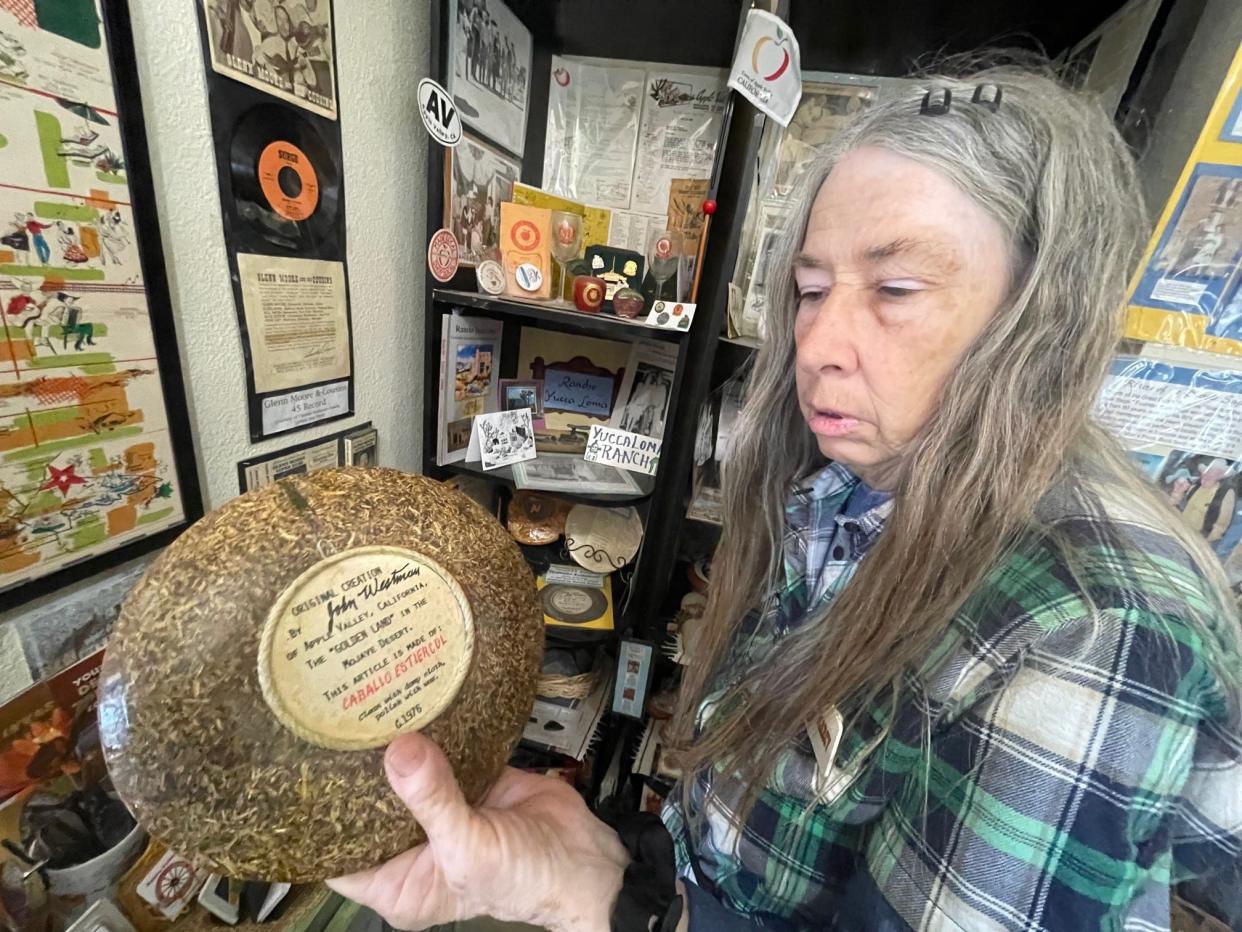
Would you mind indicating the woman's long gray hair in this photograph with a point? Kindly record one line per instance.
(1012, 420)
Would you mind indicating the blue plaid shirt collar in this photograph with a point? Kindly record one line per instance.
(831, 521)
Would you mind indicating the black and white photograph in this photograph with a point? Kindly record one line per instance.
(523, 393)
(283, 47)
(360, 447)
(643, 400)
(567, 472)
(505, 437)
(489, 74)
(823, 110)
(477, 178)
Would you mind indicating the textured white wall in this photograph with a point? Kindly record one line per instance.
(382, 51)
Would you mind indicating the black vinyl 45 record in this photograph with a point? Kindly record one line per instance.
(285, 184)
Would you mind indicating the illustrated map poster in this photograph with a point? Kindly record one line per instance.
(86, 458)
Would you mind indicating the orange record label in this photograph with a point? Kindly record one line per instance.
(297, 197)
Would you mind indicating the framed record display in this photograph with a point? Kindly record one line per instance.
(278, 161)
(96, 460)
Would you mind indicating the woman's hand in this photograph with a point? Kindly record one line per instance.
(531, 852)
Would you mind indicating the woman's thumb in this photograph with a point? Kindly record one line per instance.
(421, 776)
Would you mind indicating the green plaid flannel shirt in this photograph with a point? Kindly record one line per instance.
(1042, 771)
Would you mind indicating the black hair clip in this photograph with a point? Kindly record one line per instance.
(940, 107)
(992, 101)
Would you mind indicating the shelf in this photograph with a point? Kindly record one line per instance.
(504, 474)
(547, 312)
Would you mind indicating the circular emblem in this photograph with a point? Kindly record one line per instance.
(593, 293)
(528, 276)
(491, 276)
(525, 235)
(439, 113)
(565, 233)
(442, 255)
(663, 247)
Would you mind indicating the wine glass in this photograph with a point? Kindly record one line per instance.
(566, 243)
(663, 251)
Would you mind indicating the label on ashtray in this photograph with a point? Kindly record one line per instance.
(364, 645)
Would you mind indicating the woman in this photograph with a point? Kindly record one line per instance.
(961, 668)
(71, 250)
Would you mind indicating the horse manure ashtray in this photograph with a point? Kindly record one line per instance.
(267, 657)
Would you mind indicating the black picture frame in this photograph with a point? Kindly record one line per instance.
(230, 103)
(338, 438)
(123, 62)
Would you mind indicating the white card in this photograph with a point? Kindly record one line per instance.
(622, 449)
(502, 438)
(170, 884)
(671, 315)
(472, 448)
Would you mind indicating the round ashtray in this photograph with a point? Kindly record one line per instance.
(267, 657)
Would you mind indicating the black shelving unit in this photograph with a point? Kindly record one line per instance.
(565, 27)
(555, 316)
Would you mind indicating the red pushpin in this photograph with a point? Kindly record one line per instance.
(709, 207)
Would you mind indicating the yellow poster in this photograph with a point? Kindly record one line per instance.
(1188, 289)
(595, 222)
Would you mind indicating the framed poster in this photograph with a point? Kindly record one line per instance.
(1188, 288)
(96, 460)
(489, 70)
(477, 177)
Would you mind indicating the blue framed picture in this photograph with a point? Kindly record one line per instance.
(1196, 266)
